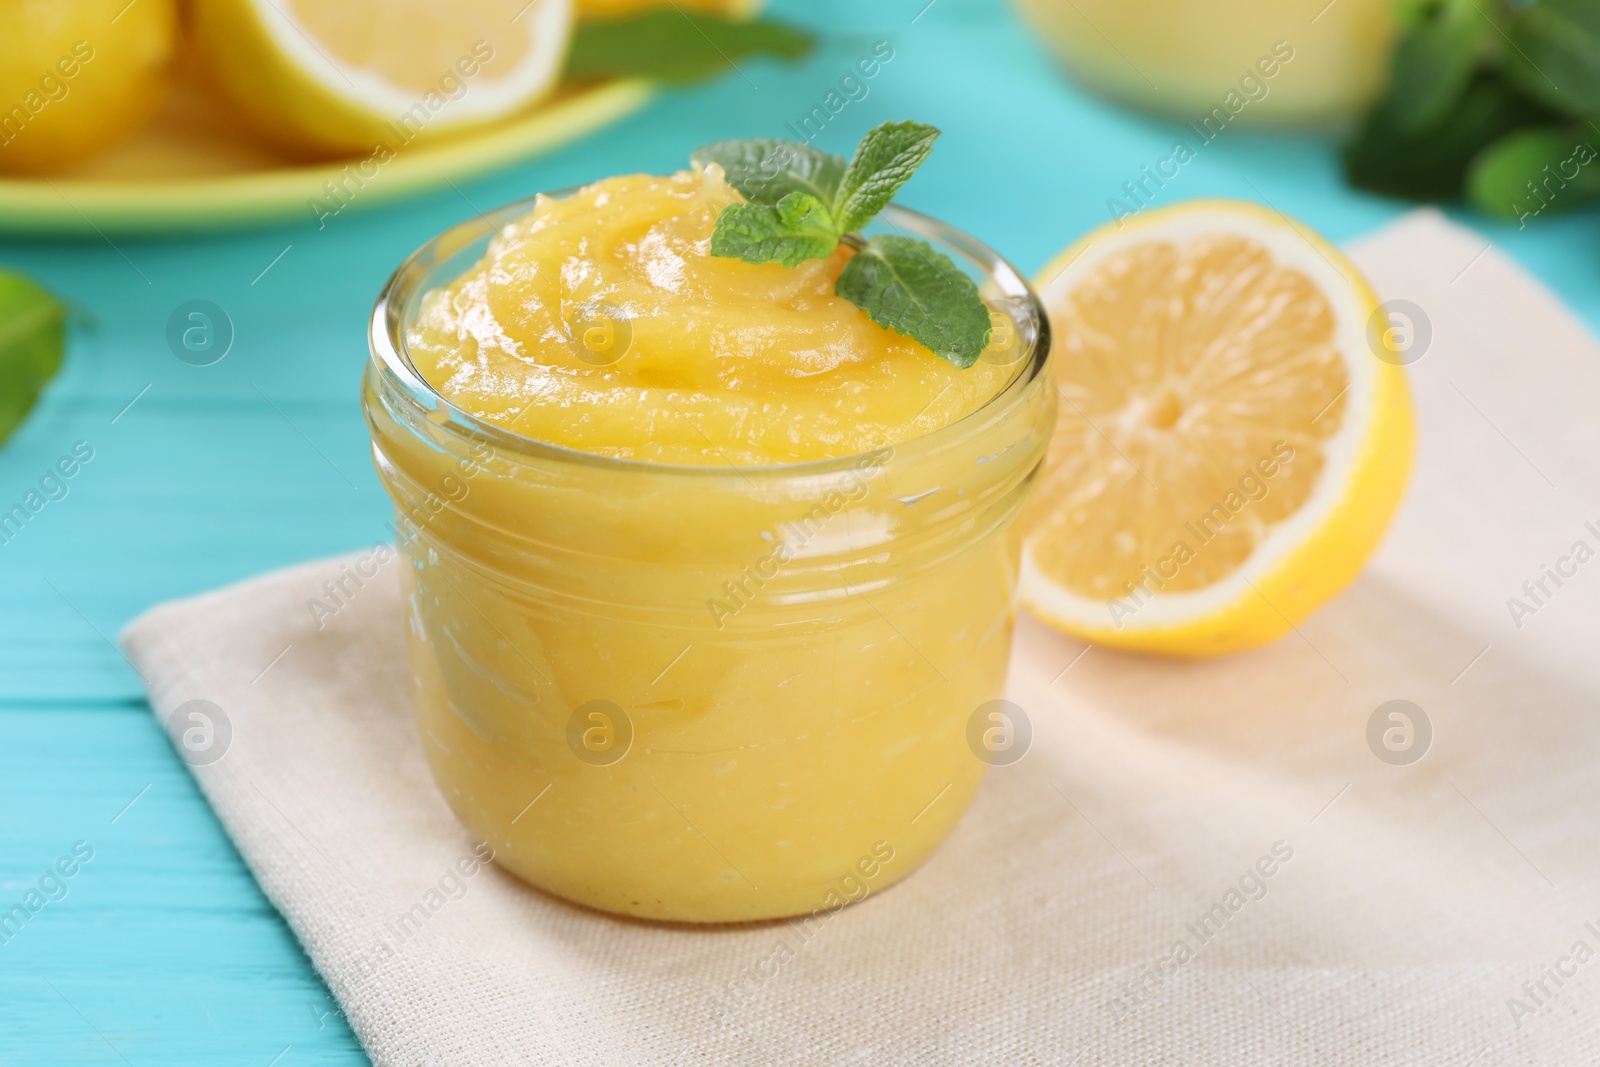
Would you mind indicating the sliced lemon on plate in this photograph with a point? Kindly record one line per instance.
(1229, 447)
(336, 77)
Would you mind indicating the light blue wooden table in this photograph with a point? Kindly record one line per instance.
(164, 952)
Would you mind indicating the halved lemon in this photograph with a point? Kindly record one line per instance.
(339, 77)
(1230, 447)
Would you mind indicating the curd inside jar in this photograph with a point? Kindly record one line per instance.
(710, 685)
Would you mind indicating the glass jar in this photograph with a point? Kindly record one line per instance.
(707, 693)
(1255, 61)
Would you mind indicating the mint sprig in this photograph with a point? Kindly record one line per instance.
(884, 161)
(801, 202)
(1494, 100)
(903, 287)
(796, 228)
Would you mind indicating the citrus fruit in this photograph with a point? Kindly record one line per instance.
(370, 77)
(75, 75)
(1232, 438)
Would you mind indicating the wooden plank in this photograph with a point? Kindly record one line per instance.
(160, 947)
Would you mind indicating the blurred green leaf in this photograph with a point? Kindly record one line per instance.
(32, 336)
(676, 47)
(1560, 167)
(1431, 163)
(1555, 54)
(1434, 62)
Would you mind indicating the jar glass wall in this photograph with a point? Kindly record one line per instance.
(706, 693)
(1255, 62)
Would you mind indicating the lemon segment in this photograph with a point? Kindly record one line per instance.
(319, 78)
(77, 75)
(1228, 449)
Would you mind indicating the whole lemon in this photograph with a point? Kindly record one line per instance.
(76, 75)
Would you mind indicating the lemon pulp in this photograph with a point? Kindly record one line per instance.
(1186, 371)
(410, 49)
(371, 77)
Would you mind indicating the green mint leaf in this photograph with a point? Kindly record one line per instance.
(676, 47)
(1535, 171)
(765, 170)
(1431, 164)
(32, 336)
(796, 228)
(884, 161)
(799, 202)
(909, 286)
(1555, 54)
(1434, 62)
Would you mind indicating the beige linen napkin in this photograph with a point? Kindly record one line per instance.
(1196, 863)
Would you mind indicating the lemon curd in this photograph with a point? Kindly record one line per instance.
(710, 577)
(600, 321)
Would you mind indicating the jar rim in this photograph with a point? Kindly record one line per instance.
(391, 360)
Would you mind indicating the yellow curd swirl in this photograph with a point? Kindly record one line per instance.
(602, 322)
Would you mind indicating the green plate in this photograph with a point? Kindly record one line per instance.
(191, 169)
